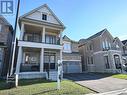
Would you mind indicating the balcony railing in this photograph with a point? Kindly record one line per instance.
(49, 39)
(32, 37)
(29, 67)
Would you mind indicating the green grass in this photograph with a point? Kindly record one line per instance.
(44, 87)
(120, 76)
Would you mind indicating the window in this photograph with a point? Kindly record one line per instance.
(32, 58)
(106, 60)
(0, 28)
(106, 45)
(103, 45)
(50, 39)
(44, 17)
(91, 46)
(117, 46)
(67, 47)
(89, 60)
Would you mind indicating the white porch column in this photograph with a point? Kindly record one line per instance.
(42, 60)
(61, 39)
(61, 54)
(43, 34)
(19, 60)
(22, 31)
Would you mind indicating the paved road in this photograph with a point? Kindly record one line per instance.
(98, 82)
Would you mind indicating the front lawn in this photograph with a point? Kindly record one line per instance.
(44, 87)
(120, 76)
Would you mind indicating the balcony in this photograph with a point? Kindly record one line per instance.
(34, 37)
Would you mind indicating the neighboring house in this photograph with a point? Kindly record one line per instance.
(101, 53)
(125, 53)
(6, 32)
(125, 47)
(71, 56)
(40, 43)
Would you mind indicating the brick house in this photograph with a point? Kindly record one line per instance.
(101, 53)
(6, 32)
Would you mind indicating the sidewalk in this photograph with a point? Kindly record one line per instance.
(116, 92)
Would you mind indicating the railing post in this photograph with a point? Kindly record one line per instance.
(43, 34)
(16, 80)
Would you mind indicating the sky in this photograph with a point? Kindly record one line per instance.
(83, 18)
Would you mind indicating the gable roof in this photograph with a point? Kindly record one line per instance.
(68, 39)
(84, 41)
(97, 34)
(45, 5)
(124, 42)
(116, 39)
(4, 20)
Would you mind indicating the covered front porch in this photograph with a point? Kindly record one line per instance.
(36, 62)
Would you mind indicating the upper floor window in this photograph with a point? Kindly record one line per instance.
(117, 46)
(44, 17)
(106, 44)
(67, 47)
(49, 39)
(91, 47)
(0, 27)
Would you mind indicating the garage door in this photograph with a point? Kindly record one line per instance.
(72, 66)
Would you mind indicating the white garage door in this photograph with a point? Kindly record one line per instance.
(72, 66)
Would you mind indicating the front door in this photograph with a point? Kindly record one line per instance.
(49, 61)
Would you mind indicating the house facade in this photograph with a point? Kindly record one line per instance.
(71, 56)
(101, 53)
(6, 32)
(40, 43)
(125, 54)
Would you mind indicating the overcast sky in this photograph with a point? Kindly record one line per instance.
(83, 18)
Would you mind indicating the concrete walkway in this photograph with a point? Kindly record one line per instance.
(116, 92)
(98, 82)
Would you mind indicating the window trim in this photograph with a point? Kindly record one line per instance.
(68, 49)
(44, 16)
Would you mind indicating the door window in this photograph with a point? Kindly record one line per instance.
(49, 61)
(117, 61)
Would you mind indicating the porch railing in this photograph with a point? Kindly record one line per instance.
(24, 67)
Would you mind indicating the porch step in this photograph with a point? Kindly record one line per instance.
(53, 75)
(10, 79)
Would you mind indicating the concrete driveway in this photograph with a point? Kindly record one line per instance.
(98, 82)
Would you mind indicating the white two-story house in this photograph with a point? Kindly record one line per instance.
(40, 43)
